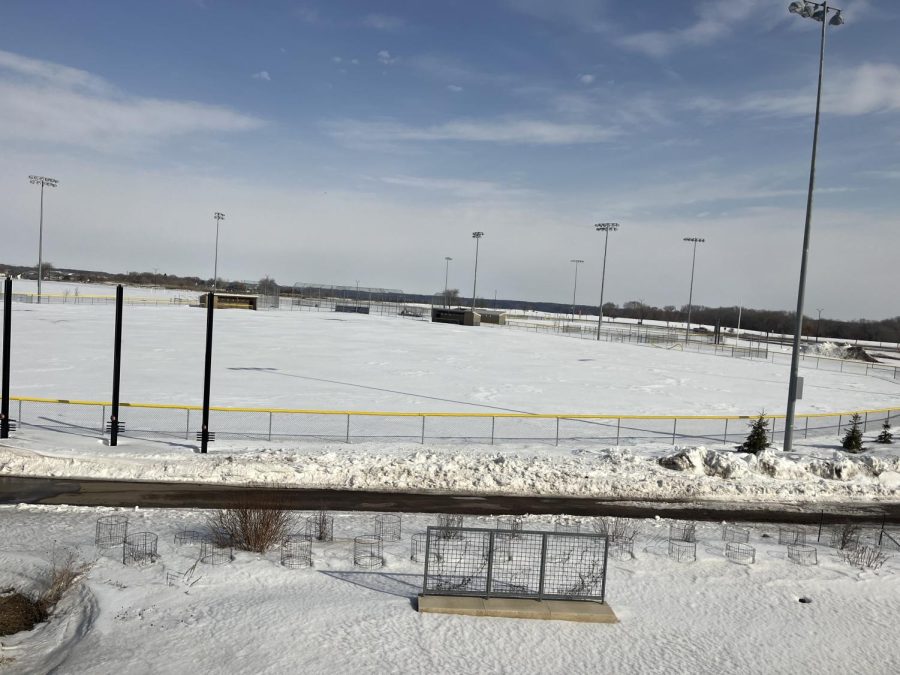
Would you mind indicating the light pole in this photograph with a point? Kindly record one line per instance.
(218, 216)
(477, 237)
(447, 260)
(695, 241)
(819, 322)
(575, 289)
(818, 12)
(48, 182)
(603, 227)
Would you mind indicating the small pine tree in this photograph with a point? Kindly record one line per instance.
(885, 436)
(853, 439)
(758, 438)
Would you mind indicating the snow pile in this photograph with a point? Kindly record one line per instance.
(838, 350)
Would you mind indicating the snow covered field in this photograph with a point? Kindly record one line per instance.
(254, 616)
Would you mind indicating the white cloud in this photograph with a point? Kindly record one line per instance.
(262, 75)
(455, 88)
(384, 56)
(336, 59)
(384, 22)
(587, 78)
(47, 102)
(869, 88)
(355, 62)
(715, 20)
(505, 131)
(470, 189)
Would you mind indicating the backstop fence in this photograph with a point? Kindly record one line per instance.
(515, 564)
(163, 421)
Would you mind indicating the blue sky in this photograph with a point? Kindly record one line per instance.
(365, 141)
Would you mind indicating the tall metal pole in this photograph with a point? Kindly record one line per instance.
(48, 182)
(801, 291)
(575, 288)
(477, 236)
(219, 217)
(41, 245)
(207, 372)
(7, 346)
(603, 227)
(687, 330)
(819, 322)
(447, 260)
(117, 364)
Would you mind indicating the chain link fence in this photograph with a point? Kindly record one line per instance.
(151, 421)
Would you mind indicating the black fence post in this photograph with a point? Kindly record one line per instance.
(204, 431)
(7, 332)
(117, 369)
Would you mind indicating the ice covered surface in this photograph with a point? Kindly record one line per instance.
(254, 616)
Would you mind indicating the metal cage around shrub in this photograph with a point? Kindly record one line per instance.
(296, 551)
(111, 531)
(388, 526)
(368, 551)
(139, 548)
(215, 552)
(320, 527)
(802, 554)
(682, 551)
(743, 554)
(486, 563)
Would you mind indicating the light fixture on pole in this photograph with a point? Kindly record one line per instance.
(218, 216)
(477, 237)
(607, 228)
(818, 12)
(695, 241)
(43, 181)
(447, 260)
(575, 288)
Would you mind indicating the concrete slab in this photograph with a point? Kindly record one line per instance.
(516, 608)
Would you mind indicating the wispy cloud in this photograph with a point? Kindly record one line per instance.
(385, 57)
(42, 101)
(868, 88)
(503, 131)
(469, 189)
(384, 22)
(715, 20)
(455, 88)
(587, 78)
(262, 75)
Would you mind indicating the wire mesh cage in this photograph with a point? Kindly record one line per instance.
(740, 535)
(215, 552)
(448, 520)
(791, 535)
(189, 537)
(845, 536)
(368, 551)
(743, 554)
(802, 554)
(296, 551)
(417, 546)
(320, 527)
(139, 548)
(682, 551)
(111, 531)
(621, 549)
(388, 526)
(683, 531)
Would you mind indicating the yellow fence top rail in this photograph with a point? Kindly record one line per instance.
(394, 413)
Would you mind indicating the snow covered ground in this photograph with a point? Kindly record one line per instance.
(254, 616)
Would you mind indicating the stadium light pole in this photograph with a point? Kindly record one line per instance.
(695, 241)
(43, 181)
(603, 227)
(477, 237)
(575, 288)
(219, 217)
(447, 260)
(818, 12)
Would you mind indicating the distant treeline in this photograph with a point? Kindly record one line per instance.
(763, 320)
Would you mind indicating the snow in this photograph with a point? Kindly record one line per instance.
(254, 616)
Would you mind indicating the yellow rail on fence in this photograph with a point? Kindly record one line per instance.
(389, 413)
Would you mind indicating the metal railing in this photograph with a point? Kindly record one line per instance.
(149, 420)
(488, 563)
